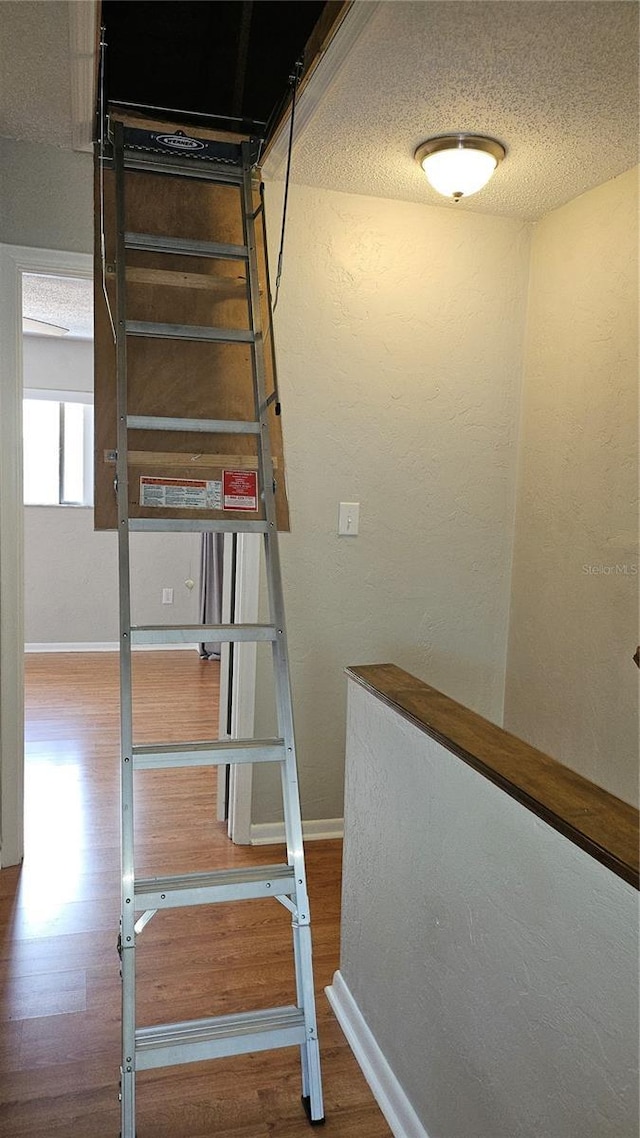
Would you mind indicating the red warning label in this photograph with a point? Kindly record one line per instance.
(239, 490)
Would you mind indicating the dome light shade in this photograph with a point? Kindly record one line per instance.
(458, 165)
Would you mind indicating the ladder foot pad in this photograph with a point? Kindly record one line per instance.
(306, 1102)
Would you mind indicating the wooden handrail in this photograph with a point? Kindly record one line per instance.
(601, 824)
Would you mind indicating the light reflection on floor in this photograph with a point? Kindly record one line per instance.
(54, 836)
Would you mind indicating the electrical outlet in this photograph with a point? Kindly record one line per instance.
(167, 596)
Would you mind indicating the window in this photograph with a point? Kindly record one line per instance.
(58, 448)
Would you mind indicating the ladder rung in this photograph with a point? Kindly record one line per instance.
(181, 525)
(188, 332)
(208, 426)
(151, 243)
(197, 633)
(211, 888)
(208, 753)
(166, 164)
(193, 1040)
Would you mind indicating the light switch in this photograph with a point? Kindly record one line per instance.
(348, 519)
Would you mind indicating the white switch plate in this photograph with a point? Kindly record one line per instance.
(167, 596)
(348, 519)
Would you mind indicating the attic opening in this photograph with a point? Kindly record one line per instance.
(226, 62)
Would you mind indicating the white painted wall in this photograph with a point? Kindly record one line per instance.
(572, 686)
(57, 364)
(494, 962)
(399, 334)
(71, 572)
(71, 578)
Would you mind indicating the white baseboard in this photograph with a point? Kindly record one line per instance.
(107, 646)
(387, 1091)
(318, 829)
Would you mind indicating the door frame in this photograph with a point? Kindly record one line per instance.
(14, 261)
(240, 604)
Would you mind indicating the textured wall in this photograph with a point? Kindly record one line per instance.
(399, 336)
(572, 688)
(46, 197)
(36, 76)
(494, 961)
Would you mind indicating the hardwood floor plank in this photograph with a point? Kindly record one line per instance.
(90, 1112)
(10, 1044)
(57, 953)
(59, 966)
(48, 994)
(61, 918)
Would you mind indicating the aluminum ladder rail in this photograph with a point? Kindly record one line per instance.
(184, 1042)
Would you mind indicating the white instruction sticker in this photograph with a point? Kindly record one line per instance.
(180, 493)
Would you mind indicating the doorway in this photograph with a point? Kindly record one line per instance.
(66, 572)
(15, 263)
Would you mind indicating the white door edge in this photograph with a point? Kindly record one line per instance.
(244, 685)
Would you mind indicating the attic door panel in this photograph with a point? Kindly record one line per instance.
(180, 378)
(187, 290)
(190, 379)
(183, 207)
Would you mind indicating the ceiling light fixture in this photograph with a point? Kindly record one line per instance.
(458, 165)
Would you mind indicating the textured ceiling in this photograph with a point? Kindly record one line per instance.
(35, 76)
(556, 82)
(63, 301)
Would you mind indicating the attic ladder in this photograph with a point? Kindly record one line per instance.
(145, 1047)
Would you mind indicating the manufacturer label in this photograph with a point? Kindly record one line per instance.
(180, 493)
(240, 489)
(179, 141)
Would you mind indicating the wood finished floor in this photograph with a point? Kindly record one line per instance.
(59, 972)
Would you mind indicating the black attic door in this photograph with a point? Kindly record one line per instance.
(226, 57)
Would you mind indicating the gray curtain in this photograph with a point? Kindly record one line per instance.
(211, 588)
